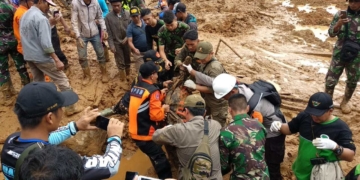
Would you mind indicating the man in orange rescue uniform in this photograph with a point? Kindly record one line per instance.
(145, 114)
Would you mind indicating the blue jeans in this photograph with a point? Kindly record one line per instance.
(97, 45)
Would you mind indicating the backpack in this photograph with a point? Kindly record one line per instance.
(263, 89)
(23, 155)
(200, 164)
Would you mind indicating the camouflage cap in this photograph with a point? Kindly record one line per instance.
(203, 49)
(195, 101)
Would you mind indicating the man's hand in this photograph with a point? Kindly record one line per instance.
(190, 84)
(177, 51)
(275, 126)
(188, 67)
(112, 49)
(84, 122)
(53, 20)
(136, 51)
(67, 30)
(97, 22)
(124, 41)
(166, 108)
(168, 64)
(115, 128)
(166, 83)
(59, 65)
(342, 21)
(324, 143)
(163, 91)
(80, 42)
(104, 35)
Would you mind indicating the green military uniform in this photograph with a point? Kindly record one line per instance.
(185, 52)
(337, 66)
(217, 108)
(8, 45)
(242, 147)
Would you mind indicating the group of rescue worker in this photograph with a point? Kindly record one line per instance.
(251, 146)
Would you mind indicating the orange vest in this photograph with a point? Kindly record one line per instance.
(140, 125)
(16, 25)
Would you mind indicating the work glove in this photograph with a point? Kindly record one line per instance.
(188, 67)
(324, 143)
(275, 126)
(80, 42)
(190, 84)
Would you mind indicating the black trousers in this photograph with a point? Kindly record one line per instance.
(157, 157)
(56, 45)
(274, 155)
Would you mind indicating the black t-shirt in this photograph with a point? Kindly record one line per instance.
(336, 129)
(152, 34)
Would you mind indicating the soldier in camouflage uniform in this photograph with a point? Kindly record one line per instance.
(170, 39)
(191, 39)
(242, 143)
(8, 46)
(337, 28)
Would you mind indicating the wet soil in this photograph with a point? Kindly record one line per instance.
(261, 32)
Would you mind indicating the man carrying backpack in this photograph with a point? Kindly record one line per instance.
(225, 85)
(192, 138)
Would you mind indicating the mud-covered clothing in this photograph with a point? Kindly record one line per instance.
(242, 149)
(138, 3)
(145, 110)
(138, 35)
(191, 21)
(152, 34)
(186, 137)
(354, 173)
(83, 18)
(8, 46)
(116, 26)
(35, 33)
(20, 11)
(336, 129)
(337, 66)
(183, 54)
(96, 167)
(172, 39)
(217, 108)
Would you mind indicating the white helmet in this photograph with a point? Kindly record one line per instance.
(223, 84)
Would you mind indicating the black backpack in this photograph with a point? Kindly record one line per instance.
(263, 89)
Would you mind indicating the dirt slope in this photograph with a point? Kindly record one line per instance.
(270, 49)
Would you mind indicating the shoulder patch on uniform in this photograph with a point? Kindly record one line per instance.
(137, 92)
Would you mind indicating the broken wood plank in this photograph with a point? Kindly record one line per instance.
(321, 54)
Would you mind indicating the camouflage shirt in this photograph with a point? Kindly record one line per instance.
(183, 54)
(6, 20)
(242, 147)
(353, 29)
(172, 39)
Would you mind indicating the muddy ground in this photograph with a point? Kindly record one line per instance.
(276, 41)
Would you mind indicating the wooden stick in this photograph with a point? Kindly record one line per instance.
(265, 14)
(231, 48)
(218, 46)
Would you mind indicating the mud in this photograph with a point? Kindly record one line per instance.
(270, 49)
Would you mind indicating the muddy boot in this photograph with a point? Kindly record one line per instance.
(104, 74)
(107, 112)
(345, 105)
(87, 76)
(122, 74)
(73, 109)
(329, 91)
(106, 54)
(128, 74)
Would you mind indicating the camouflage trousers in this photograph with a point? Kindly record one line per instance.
(337, 67)
(8, 47)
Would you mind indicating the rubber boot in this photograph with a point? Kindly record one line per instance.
(329, 91)
(106, 53)
(104, 74)
(128, 73)
(122, 74)
(73, 109)
(87, 76)
(345, 105)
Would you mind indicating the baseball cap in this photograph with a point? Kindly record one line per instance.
(152, 55)
(180, 7)
(319, 103)
(148, 68)
(174, 9)
(51, 2)
(195, 101)
(39, 98)
(203, 49)
(134, 11)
